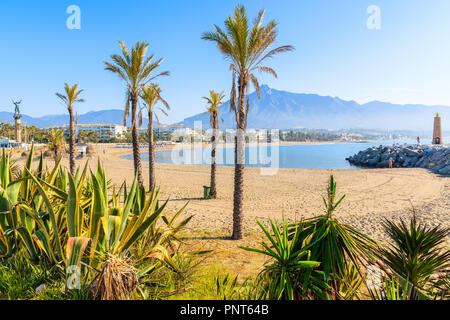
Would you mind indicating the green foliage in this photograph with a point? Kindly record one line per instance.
(19, 278)
(64, 221)
(229, 288)
(56, 142)
(415, 251)
(289, 274)
(338, 247)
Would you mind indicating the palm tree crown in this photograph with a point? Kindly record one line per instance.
(246, 49)
(214, 100)
(135, 69)
(150, 96)
(72, 95)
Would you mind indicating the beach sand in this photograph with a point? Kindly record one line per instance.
(371, 196)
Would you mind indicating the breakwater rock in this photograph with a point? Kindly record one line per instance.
(435, 158)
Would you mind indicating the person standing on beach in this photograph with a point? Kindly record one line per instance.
(390, 163)
(418, 140)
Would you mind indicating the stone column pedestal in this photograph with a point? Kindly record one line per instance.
(18, 131)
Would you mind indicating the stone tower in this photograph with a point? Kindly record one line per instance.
(437, 131)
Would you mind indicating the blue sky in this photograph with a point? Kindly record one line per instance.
(406, 61)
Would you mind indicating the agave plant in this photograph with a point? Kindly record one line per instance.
(74, 222)
(22, 217)
(290, 273)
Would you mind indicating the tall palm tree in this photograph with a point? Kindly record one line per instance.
(137, 71)
(56, 142)
(246, 48)
(214, 100)
(72, 95)
(150, 95)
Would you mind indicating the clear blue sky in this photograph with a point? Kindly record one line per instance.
(407, 61)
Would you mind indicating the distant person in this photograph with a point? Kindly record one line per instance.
(418, 140)
(390, 163)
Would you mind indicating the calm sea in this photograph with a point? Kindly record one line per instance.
(319, 156)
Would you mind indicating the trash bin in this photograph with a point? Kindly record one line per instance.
(206, 192)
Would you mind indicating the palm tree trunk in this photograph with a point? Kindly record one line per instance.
(239, 165)
(71, 144)
(151, 153)
(135, 140)
(213, 193)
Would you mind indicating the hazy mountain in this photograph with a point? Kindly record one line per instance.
(286, 110)
(100, 117)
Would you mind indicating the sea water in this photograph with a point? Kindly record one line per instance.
(314, 156)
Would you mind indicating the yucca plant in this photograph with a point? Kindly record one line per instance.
(415, 251)
(338, 247)
(290, 272)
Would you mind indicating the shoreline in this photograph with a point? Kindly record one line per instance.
(371, 194)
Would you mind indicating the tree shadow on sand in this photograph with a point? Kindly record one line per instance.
(207, 238)
(188, 199)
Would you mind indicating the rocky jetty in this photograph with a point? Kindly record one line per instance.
(435, 158)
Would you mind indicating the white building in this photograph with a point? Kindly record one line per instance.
(105, 131)
(162, 131)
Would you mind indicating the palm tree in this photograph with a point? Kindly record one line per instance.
(150, 95)
(246, 49)
(72, 95)
(214, 100)
(137, 71)
(56, 143)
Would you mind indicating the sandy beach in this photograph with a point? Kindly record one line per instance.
(371, 194)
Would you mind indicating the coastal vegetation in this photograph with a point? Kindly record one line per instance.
(56, 143)
(215, 100)
(65, 237)
(71, 96)
(137, 70)
(150, 96)
(100, 241)
(246, 48)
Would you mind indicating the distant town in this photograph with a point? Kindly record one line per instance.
(115, 133)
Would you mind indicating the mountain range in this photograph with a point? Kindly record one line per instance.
(94, 117)
(278, 109)
(286, 110)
